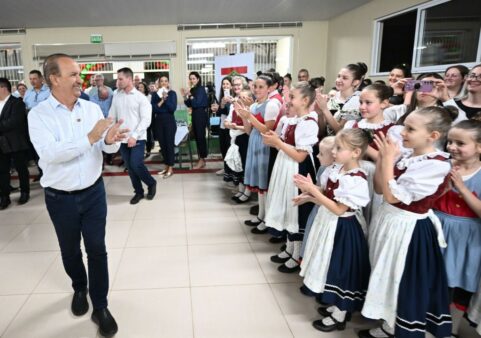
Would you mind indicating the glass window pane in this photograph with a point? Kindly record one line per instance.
(397, 41)
(451, 33)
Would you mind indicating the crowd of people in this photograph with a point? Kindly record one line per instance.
(371, 188)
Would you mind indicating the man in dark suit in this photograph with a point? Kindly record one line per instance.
(13, 144)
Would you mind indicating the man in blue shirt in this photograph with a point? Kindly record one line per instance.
(39, 91)
(103, 98)
(69, 135)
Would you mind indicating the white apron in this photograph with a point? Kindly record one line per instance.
(389, 237)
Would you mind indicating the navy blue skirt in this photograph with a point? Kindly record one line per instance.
(423, 301)
(349, 268)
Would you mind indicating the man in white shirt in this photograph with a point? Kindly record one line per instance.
(135, 110)
(69, 135)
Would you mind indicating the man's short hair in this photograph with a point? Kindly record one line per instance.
(127, 72)
(303, 70)
(37, 72)
(50, 66)
(99, 75)
(5, 84)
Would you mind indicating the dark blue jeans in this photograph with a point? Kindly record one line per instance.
(82, 215)
(134, 161)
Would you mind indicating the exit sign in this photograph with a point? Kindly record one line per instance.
(96, 38)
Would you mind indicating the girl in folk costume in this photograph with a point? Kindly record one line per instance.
(459, 211)
(373, 100)
(325, 160)
(298, 136)
(239, 138)
(408, 286)
(345, 103)
(335, 265)
(260, 118)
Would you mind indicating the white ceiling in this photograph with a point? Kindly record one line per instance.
(85, 13)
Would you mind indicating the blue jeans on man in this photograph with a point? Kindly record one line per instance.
(134, 162)
(82, 215)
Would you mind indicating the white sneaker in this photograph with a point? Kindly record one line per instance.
(219, 172)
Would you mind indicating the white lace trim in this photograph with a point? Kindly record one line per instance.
(347, 202)
(363, 124)
(407, 161)
(335, 173)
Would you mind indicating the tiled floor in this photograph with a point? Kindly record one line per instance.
(182, 265)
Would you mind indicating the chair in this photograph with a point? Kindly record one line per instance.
(182, 137)
(214, 128)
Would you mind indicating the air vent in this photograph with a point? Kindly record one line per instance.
(260, 25)
(12, 31)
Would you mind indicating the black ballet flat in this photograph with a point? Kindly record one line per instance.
(279, 260)
(253, 224)
(285, 269)
(258, 231)
(277, 240)
(319, 325)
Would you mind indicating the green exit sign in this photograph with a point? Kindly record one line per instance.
(96, 38)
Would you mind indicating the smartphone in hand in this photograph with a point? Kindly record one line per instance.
(419, 85)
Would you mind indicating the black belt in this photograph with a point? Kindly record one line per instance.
(73, 192)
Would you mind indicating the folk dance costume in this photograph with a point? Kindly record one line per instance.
(282, 217)
(462, 230)
(278, 100)
(336, 262)
(348, 110)
(408, 285)
(255, 174)
(372, 129)
(237, 152)
(257, 152)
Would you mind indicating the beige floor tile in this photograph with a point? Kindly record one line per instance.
(218, 230)
(116, 233)
(9, 306)
(8, 233)
(36, 237)
(152, 313)
(25, 270)
(49, 316)
(237, 312)
(157, 232)
(148, 268)
(56, 279)
(264, 251)
(224, 264)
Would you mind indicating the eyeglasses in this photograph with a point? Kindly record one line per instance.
(473, 76)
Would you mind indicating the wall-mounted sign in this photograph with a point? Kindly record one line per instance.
(96, 38)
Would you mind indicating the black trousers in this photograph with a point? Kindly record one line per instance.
(20, 162)
(150, 142)
(165, 128)
(200, 121)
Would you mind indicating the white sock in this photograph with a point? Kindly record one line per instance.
(289, 247)
(239, 194)
(241, 188)
(262, 206)
(262, 226)
(243, 197)
(247, 192)
(283, 254)
(296, 252)
(337, 314)
(291, 263)
(387, 328)
(456, 316)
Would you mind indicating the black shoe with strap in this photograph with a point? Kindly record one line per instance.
(337, 325)
(80, 305)
(107, 324)
(5, 202)
(325, 313)
(253, 223)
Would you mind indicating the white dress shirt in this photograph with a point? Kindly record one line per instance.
(136, 111)
(60, 137)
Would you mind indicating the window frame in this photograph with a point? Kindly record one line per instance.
(418, 37)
